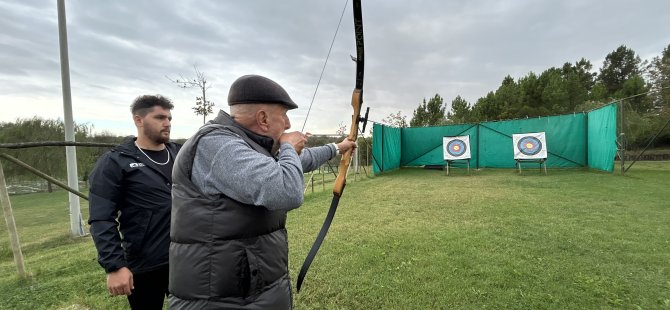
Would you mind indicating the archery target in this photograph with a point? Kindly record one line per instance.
(456, 147)
(530, 145)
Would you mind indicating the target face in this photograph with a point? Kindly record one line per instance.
(456, 147)
(530, 146)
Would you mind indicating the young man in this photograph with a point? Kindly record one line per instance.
(234, 182)
(129, 206)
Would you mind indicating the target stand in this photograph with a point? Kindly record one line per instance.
(530, 148)
(456, 149)
(541, 161)
(448, 163)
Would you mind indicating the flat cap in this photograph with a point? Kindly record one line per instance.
(258, 89)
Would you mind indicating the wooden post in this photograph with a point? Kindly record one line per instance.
(43, 175)
(11, 225)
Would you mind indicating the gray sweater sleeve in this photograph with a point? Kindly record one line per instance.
(226, 164)
(314, 157)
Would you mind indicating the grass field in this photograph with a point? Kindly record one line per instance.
(416, 239)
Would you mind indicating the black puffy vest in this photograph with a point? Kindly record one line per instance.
(224, 254)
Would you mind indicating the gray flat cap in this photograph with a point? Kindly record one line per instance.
(258, 89)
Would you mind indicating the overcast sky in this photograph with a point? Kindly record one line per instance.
(414, 49)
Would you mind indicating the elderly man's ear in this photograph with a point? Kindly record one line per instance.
(262, 119)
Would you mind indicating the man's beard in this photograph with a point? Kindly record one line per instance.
(157, 136)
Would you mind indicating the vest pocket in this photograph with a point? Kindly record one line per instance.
(246, 267)
(250, 280)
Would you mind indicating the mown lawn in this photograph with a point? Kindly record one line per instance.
(417, 239)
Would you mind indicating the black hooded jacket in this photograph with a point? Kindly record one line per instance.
(127, 187)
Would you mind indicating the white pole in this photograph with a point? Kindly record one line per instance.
(355, 155)
(76, 224)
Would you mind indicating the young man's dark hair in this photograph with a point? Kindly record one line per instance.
(142, 104)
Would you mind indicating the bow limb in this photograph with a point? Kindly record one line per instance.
(340, 182)
(345, 162)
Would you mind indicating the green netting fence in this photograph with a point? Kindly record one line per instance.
(573, 140)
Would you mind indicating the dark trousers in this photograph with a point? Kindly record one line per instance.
(151, 288)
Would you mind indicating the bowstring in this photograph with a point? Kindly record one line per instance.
(324, 65)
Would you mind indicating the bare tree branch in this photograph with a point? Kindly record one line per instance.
(202, 106)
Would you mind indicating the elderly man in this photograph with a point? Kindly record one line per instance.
(234, 182)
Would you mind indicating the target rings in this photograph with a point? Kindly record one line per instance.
(529, 145)
(456, 147)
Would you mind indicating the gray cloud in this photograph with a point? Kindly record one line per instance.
(120, 49)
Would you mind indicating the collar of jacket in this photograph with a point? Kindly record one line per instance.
(128, 146)
(225, 119)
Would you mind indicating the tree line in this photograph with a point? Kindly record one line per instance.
(51, 159)
(643, 87)
(574, 87)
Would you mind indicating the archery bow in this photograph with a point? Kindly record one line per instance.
(340, 181)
